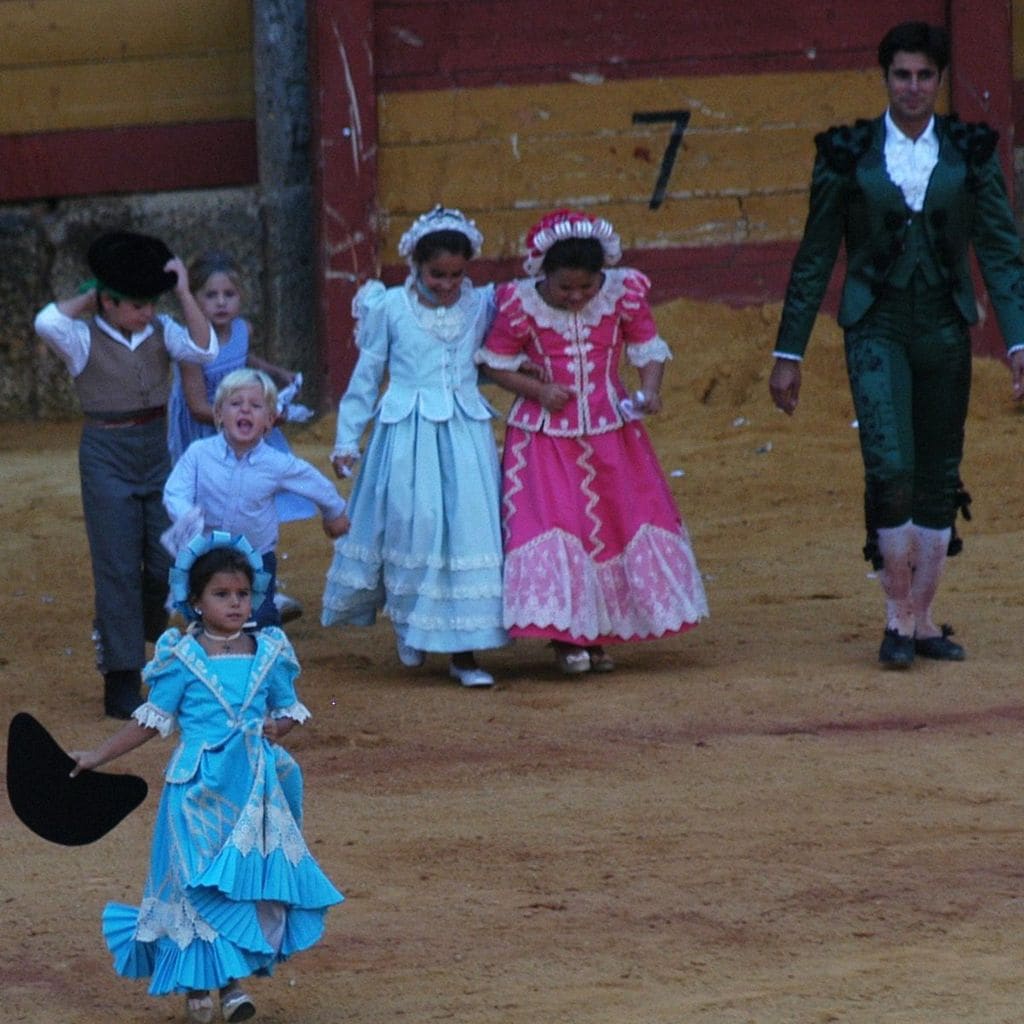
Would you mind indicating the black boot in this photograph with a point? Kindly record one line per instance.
(122, 692)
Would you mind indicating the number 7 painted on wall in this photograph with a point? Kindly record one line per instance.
(679, 120)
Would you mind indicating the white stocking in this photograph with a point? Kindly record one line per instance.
(929, 560)
(896, 546)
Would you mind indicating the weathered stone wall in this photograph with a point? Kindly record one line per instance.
(266, 227)
(42, 249)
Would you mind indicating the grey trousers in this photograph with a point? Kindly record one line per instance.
(123, 471)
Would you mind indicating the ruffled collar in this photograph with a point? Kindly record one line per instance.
(444, 322)
(564, 321)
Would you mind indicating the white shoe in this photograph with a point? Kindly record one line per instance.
(288, 608)
(474, 676)
(410, 657)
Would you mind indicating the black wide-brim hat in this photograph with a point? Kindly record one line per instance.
(131, 265)
(65, 810)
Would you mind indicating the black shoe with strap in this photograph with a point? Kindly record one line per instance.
(940, 648)
(897, 650)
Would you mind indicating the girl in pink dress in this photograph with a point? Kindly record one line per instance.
(595, 550)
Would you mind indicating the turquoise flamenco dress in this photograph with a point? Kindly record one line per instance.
(232, 889)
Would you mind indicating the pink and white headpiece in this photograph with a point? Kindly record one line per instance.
(440, 218)
(563, 224)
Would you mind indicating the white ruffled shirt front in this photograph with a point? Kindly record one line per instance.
(910, 162)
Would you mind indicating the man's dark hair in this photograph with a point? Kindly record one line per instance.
(915, 37)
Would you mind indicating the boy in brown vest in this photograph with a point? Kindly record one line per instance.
(119, 352)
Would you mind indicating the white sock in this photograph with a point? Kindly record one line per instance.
(896, 545)
(929, 561)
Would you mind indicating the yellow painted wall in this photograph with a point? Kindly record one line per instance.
(72, 64)
(508, 154)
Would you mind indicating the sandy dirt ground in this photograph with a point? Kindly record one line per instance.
(749, 824)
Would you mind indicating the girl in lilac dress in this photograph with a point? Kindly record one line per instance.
(595, 550)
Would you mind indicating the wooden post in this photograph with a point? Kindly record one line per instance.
(344, 122)
(981, 89)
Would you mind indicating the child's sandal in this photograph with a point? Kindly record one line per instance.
(199, 1009)
(600, 660)
(236, 1005)
(572, 660)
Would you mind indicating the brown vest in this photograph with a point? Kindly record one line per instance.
(117, 379)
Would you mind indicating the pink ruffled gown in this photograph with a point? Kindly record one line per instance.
(595, 549)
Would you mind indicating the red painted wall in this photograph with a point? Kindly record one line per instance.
(441, 44)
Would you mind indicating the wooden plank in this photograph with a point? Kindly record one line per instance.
(159, 91)
(732, 103)
(711, 221)
(506, 155)
(47, 32)
(464, 43)
(93, 162)
(737, 275)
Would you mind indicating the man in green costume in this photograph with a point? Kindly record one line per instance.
(907, 193)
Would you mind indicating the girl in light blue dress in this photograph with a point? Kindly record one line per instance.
(425, 541)
(232, 889)
(216, 282)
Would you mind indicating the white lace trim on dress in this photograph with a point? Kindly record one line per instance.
(654, 350)
(149, 716)
(485, 357)
(298, 711)
(566, 322)
(652, 588)
(445, 322)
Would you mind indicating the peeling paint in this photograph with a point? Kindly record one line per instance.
(353, 104)
(406, 36)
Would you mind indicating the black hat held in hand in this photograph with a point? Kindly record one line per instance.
(131, 265)
(65, 810)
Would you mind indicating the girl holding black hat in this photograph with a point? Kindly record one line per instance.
(233, 889)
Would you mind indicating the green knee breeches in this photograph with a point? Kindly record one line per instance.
(909, 363)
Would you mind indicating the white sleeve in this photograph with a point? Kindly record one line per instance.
(67, 337)
(179, 343)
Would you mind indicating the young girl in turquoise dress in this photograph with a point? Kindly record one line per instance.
(232, 889)
(425, 542)
(216, 282)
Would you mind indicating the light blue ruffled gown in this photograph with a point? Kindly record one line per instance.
(232, 889)
(183, 428)
(425, 542)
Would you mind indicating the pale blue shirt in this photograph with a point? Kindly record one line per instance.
(236, 494)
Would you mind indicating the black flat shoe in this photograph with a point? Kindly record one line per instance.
(897, 650)
(941, 648)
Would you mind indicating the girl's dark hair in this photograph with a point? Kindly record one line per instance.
(216, 560)
(576, 254)
(915, 37)
(446, 240)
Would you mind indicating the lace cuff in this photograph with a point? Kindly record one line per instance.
(297, 711)
(342, 451)
(655, 350)
(485, 357)
(149, 716)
